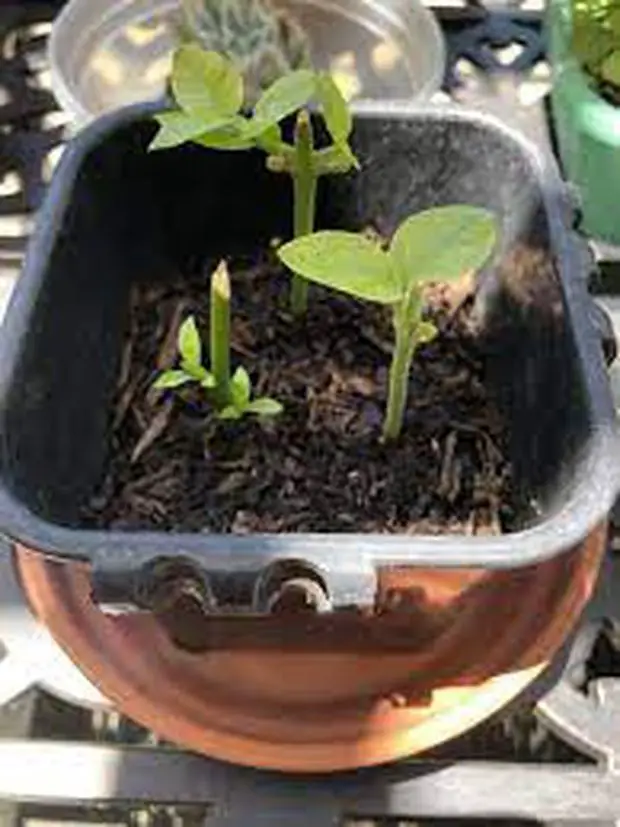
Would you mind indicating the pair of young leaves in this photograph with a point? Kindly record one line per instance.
(439, 244)
(208, 90)
(192, 371)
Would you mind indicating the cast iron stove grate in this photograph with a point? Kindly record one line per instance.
(555, 759)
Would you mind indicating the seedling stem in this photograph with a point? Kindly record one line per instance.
(220, 332)
(305, 187)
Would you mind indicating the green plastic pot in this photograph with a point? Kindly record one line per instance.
(587, 130)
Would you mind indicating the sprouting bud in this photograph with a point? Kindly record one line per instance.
(220, 282)
(303, 131)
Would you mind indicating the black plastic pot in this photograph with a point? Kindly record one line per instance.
(116, 214)
(301, 653)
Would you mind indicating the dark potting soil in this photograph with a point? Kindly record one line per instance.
(319, 466)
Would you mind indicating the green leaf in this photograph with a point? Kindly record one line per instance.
(229, 412)
(264, 406)
(197, 372)
(206, 82)
(335, 159)
(208, 381)
(230, 137)
(425, 332)
(335, 109)
(240, 388)
(189, 344)
(178, 127)
(610, 68)
(343, 261)
(172, 379)
(442, 244)
(268, 138)
(288, 94)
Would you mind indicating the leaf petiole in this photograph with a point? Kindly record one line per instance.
(304, 188)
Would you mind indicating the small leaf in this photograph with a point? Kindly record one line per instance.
(178, 127)
(208, 381)
(206, 82)
(337, 158)
(190, 346)
(229, 412)
(172, 379)
(264, 406)
(240, 388)
(343, 261)
(335, 109)
(268, 138)
(443, 243)
(197, 372)
(288, 94)
(348, 81)
(610, 68)
(230, 137)
(425, 332)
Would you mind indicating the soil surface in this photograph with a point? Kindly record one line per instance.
(319, 466)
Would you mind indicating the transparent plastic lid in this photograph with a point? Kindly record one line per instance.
(106, 54)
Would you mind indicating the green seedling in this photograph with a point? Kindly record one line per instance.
(231, 396)
(208, 91)
(440, 245)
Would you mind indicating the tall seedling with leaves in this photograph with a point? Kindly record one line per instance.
(209, 94)
(440, 244)
(230, 395)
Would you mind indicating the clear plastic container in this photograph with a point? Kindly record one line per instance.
(105, 54)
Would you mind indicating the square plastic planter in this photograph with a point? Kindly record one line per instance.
(587, 129)
(412, 639)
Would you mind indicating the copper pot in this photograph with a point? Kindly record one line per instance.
(485, 636)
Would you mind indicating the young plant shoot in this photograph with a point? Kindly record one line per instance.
(209, 94)
(440, 244)
(231, 396)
